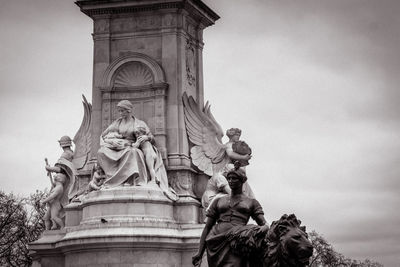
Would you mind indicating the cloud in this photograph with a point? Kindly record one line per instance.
(312, 84)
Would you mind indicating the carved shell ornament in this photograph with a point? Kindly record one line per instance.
(133, 74)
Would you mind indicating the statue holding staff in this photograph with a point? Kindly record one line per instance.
(53, 218)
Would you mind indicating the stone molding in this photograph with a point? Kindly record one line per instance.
(196, 8)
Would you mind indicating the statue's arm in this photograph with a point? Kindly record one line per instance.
(110, 128)
(53, 169)
(146, 137)
(222, 184)
(235, 156)
(57, 190)
(258, 214)
(258, 217)
(207, 228)
(227, 189)
(260, 220)
(148, 133)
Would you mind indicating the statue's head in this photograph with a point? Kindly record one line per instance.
(125, 108)
(140, 131)
(60, 177)
(235, 174)
(65, 141)
(234, 133)
(288, 242)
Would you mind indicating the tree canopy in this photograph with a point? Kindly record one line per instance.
(325, 256)
(20, 223)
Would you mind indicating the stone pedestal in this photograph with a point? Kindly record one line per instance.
(148, 52)
(126, 226)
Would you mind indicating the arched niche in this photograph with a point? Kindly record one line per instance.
(139, 79)
(150, 63)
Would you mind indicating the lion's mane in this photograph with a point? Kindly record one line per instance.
(266, 249)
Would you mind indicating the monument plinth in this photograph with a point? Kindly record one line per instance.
(150, 53)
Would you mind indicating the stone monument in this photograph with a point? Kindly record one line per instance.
(147, 53)
(148, 150)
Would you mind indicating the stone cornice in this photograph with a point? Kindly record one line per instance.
(196, 8)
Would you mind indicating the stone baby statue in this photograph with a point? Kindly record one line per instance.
(53, 217)
(95, 184)
(97, 180)
(148, 151)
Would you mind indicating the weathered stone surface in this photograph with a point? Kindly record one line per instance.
(163, 34)
(148, 52)
(122, 226)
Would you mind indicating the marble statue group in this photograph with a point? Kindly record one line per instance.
(147, 180)
(128, 156)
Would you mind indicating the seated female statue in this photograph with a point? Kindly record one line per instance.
(226, 214)
(127, 153)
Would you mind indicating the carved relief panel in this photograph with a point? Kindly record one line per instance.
(190, 63)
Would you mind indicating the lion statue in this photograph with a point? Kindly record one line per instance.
(285, 244)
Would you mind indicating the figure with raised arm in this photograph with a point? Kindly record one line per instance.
(65, 166)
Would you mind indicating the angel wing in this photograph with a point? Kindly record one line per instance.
(208, 152)
(82, 139)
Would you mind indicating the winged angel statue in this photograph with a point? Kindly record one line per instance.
(65, 186)
(209, 154)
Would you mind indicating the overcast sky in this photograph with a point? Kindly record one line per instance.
(312, 84)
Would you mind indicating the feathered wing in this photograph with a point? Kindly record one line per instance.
(82, 139)
(208, 152)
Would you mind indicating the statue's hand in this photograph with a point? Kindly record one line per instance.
(136, 144)
(143, 138)
(263, 230)
(196, 260)
(120, 142)
(247, 157)
(48, 168)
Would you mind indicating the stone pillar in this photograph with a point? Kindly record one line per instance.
(168, 33)
(149, 52)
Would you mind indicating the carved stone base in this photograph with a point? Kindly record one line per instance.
(125, 226)
(183, 179)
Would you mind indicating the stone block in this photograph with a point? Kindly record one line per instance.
(73, 214)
